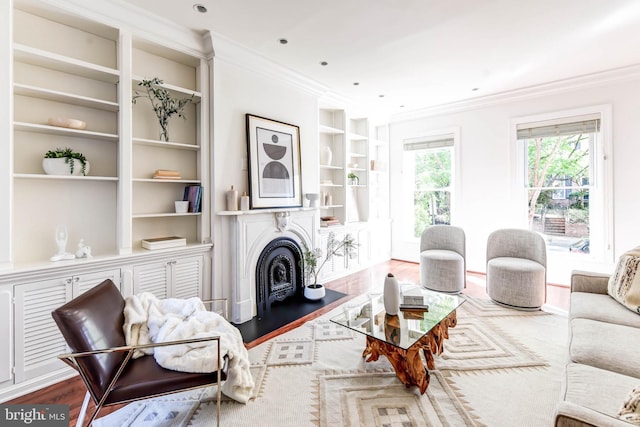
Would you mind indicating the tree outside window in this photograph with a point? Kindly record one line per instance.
(428, 166)
(558, 179)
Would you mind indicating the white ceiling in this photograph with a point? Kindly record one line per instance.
(421, 53)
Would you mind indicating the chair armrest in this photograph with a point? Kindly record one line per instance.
(586, 281)
(132, 348)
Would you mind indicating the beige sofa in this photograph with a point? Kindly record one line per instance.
(604, 355)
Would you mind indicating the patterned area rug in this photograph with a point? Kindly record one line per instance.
(500, 367)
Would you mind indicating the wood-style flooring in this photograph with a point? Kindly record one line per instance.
(71, 392)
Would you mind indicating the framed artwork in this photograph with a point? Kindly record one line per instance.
(273, 149)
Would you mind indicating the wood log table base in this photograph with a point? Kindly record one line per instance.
(408, 364)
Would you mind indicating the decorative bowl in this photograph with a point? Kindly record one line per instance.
(67, 123)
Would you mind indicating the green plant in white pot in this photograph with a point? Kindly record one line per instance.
(65, 161)
(310, 258)
(162, 103)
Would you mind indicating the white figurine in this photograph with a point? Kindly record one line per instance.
(83, 251)
(61, 240)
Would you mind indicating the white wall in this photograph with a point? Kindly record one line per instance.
(238, 91)
(486, 199)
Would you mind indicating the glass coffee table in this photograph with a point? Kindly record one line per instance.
(400, 338)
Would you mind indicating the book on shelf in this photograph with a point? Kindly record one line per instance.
(329, 221)
(193, 194)
(166, 174)
(163, 242)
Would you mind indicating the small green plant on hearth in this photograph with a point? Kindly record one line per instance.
(163, 104)
(68, 154)
(310, 258)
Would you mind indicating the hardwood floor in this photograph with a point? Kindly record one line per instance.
(71, 392)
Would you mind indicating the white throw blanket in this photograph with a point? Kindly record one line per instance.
(148, 319)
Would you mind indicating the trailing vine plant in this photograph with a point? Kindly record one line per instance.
(68, 154)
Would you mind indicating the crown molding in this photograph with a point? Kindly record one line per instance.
(233, 53)
(130, 18)
(555, 87)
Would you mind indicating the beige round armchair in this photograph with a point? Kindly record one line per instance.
(442, 258)
(517, 268)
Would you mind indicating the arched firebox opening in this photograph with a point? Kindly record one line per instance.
(278, 274)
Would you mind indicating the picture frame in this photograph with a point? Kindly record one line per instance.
(273, 150)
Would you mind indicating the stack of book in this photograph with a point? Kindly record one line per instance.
(163, 242)
(329, 221)
(166, 174)
(413, 304)
(193, 194)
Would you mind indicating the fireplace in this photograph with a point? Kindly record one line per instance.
(249, 235)
(278, 274)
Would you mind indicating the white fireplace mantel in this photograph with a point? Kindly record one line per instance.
(248, 233)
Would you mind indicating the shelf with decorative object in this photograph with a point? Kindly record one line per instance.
(67, 132)
(184, 77)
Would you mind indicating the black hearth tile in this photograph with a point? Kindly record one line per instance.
(283, 313)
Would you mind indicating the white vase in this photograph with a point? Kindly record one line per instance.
(326, 156)
(58, 166)
(314, 292)
(391, 295)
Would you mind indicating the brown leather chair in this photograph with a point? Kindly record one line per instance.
(92, 326)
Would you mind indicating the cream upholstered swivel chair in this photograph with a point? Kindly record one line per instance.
(442, 258)
(517, 268)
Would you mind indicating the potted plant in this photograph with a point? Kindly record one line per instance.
(65, 161)
(353, 178)
(314, 290)
(163, 104)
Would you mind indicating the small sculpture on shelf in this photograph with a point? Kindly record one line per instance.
(163, 104)
(61, 241)
(83, 250)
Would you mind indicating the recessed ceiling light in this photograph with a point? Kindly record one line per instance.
(200, 8)
(324, 63)
(402, 106)
(356, 83)
(381, 96)
(475, 89)
(283, 41)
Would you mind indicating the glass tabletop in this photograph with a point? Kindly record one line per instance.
(405, 329)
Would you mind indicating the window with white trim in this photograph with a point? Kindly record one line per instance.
(428, 177)
(563, 172)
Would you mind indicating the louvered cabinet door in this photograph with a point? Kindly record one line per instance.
(187, 277)
(83, 282)
(38, 341)
(153, 277)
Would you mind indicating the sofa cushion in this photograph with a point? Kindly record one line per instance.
(585, 305)
(605, 345)
(624, 283)
(599, 392)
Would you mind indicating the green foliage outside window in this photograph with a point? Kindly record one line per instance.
(432, 198)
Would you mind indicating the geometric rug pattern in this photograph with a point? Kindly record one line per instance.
(379, 399)
(500, 367)
(485, 307)
(291, 353)
(473, 345)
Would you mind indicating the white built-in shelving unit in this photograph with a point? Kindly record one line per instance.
(360, 204)
(62, 64)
